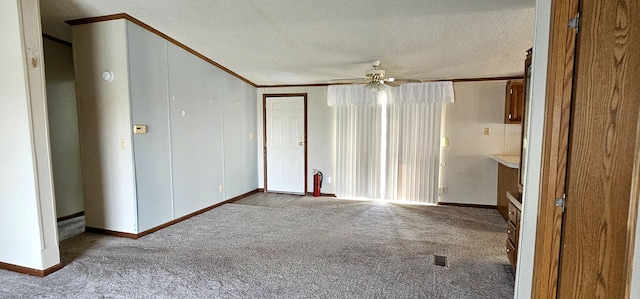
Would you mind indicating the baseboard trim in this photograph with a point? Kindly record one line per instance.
(465, 205)
(114, 233)
(170, 223)
(322, 194)
(30, 271)
(308, 193)
(241, 196)
(185, 217)
(74, 215)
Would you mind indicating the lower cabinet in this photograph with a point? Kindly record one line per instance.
(507, 182)
(513, 227)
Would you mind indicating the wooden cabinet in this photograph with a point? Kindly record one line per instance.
(513, 227)
(507, 181)
(514, 102)
(515, 197)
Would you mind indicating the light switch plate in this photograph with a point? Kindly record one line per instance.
(487, 131)
(139, 129)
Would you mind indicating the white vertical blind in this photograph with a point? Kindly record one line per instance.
(389, 151)
(413, 152)
(358, 144)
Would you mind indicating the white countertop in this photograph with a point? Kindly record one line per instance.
(511, 161)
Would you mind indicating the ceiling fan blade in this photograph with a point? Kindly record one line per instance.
(403, 80)
(392, 83)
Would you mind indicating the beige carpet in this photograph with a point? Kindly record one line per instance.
(312, 248)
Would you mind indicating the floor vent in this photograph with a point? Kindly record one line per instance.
(440, 260)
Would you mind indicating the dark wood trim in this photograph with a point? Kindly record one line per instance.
(74, 215)
(264, 142)
(183, 46)
(634, 202)
(306, 160)
(97, 19)
(507, 78)
(241, 196)
(30, 271)
(303, 85)
(633, 216)
(102, 231)
(466, 205)
(323, 194)
(264, 134)
(57, 40)
(170, 223)
(558, 96)
(157, 32)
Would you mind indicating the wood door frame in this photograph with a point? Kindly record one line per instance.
(558, 101)
(264, 133)
(632, 221)
(558, 96)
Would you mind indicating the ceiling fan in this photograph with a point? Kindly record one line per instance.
(376, 79)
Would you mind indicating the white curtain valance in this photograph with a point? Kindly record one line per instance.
(426, 92)
(354, 94)
(358, 94)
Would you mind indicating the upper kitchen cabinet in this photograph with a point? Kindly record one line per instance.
(514, 102)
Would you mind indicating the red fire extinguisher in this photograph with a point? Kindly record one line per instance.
(317, 182)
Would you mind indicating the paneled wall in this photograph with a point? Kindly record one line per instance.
(195, 107)
(149, 106)
(196, 151)
(240, 142)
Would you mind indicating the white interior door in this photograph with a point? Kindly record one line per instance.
(285, 141)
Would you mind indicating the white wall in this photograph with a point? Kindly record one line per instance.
(28, 235)
(104, 120)
(320, 132)
(468, 173)
(63, 127)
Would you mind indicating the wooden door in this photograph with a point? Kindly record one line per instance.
(604, 120)
(285, 139)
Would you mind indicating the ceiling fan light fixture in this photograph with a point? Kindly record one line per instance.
(376, 86)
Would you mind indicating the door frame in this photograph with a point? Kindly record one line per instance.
(558, 101)
(264, 134)
(558, 97)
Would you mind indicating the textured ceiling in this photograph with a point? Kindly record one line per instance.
(308, 41)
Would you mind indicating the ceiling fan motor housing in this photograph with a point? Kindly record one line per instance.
(376, 75)
(375, 72)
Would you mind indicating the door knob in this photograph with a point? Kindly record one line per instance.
(301, 143)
